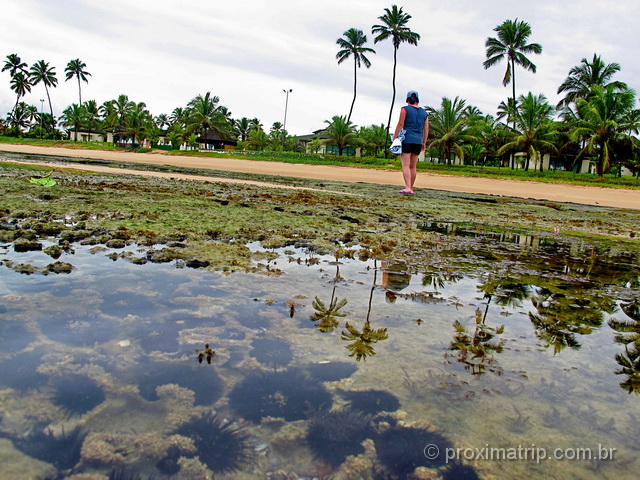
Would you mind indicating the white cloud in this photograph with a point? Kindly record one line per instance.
(165, 52)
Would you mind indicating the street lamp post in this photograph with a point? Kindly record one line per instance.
(41, 113)
(286, 104)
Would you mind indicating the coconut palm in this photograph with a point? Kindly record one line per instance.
(20, 84)
(340, 132)
(373, 138)
(41, 72)
(394, 26)
(511, 45)
(74, 116)
(20, 119)
(258, 139)
(92, 115)
(14, 64)
(76, 68)
(162, 121)
(137, 121)
(241, 128)
(450, 126)
(582, 78)
(205, 114)
(352, 46)
(534, 132)
(603, 119)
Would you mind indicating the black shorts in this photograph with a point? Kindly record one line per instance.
(414, 148)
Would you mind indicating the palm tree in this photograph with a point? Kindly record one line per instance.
(92, 115)
(340, 132)
(534, 131)
(451, 127)
(394, 26)
(204, 113)
(137, 121)
(76, 68)
(373, 138)
(42, 72)
(14, 64)
(352, 45)
(511, 45)
(258, 139)
(605, 118)
(20, 118)
(21, 85)
(162, 121)
(241, 128)
(582, 78)
(73, 116)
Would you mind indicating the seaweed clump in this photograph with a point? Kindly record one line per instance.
(221, 445)
(77, 394)
(289, 394)
(372, 402)
(332, 436)
(402, 449)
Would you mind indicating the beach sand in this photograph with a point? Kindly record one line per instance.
(535, 190)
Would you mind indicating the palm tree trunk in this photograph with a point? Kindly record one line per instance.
(53, 122)
(79, 92)
(393, 99)
(355, 79)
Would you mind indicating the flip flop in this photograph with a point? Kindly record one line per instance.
(404, 192)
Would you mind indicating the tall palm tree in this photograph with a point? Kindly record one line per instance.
(340, 132)
(352, 45)
(394, 26)
(511, 45)
(20, 84)
(534, 132)
(14, 64)
(582, 78)
(76, 68)
(42, 72)
(450, 126)
(603, 119)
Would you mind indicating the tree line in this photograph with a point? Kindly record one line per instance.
(597, 119)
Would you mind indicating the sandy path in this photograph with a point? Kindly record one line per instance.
(540, 191)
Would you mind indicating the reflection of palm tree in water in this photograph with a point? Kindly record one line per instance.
(629, 335)
(361, 340)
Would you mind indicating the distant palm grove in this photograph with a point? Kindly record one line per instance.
(597, 121)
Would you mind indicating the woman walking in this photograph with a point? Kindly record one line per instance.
(415, 123)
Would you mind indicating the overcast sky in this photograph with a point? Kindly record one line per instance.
(165, 52)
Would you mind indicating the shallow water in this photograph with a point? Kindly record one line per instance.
(505, 352)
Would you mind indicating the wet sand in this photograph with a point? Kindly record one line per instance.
(540, 191)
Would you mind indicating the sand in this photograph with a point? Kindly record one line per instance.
(536, 190)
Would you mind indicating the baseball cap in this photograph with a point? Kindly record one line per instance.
(413, 93)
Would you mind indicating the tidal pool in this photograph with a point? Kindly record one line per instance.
(507, 357)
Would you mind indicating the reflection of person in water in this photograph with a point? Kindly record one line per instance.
(394, 279)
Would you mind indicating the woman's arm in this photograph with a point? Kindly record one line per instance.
(400, 123)
(425, 132)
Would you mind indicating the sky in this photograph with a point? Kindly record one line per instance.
(248, 52)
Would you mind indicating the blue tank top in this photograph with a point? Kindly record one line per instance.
(414, 124)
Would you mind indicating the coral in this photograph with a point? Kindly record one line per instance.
(332, 436)
(77, 394)
(331, 371)
(271, 351)
(401, 449)
(221, 445)
(289, 394)
(372, 402)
